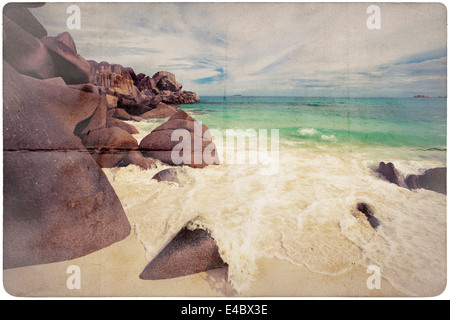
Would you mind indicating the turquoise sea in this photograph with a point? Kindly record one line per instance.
(304, 210)
(352, 123)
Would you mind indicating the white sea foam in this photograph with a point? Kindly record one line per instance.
(330, 137)
(307, 131)
(304, 214)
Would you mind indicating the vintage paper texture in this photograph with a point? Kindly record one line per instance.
(310, 145)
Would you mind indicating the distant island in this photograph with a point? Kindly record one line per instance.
(425, 96)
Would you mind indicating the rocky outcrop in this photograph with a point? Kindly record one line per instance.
(369, 213)
(25, 53)
(389, 172)
(121, 114)
(69, 65)
(135, 157)
(61, 126)
(170, 175)
(58, 204)
(20, 15)
(142, 90)
(195, 146)
(166, 81)
(178, 97)
(433, 179)
(114, 79)
(113, 122)
(189, 252)
(109, 145)
(162, 110)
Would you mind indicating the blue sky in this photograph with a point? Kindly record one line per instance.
(295, 49)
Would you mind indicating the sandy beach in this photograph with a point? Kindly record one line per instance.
(114, 272)
(312, 159)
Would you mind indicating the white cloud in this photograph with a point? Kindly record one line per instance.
(262, 47)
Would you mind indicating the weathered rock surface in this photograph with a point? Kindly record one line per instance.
(85, 87)
(136, 158)
(195, 148)
(67, 39)
(162, 110)
(68, 105)
(121, 114)
(135, 109)
(19, 14)
(369, 213)
(182, 115)
(113, 78)
(189, 252)
(25, 53)
(109, 145)
(56, 81)
(166, 81)
(389, 172)
(114, 122)
(433, 179)
(69, 65)
(58, 204)
(170, 175)
(94, 122)
(179, 97)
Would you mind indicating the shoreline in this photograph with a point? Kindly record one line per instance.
(114, 272)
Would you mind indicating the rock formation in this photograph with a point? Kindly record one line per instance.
(200, 151)
(28, 55)
(122, 82)
(62, 124)
(19, 14)
(169, 175)
(433, 179)
(188, 253)
(69, 65)
(58, 204)
(389, 172)
(369, 213)
(109, 145)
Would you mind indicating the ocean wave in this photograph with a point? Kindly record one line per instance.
(252, 216)
(330, 137)
(307, 131)
(312, 133)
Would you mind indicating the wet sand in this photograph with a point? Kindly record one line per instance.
(114, 272)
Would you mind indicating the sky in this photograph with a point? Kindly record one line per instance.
(268, 49)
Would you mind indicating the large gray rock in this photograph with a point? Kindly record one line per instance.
(69, 65)
(25, 53)
(179, 97)
(162, 110)
(121, 114)
(159, 144)
(109, 145)
(433, 179)
(136, 158)
(169, 175)
(188, 253)
(166, 81)
(19, 14)
(369, 213)
(389, 172)
(114, 79)
(67, 39)
(57, 203)
(134, 109)
(114, 122)
(70, 106)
